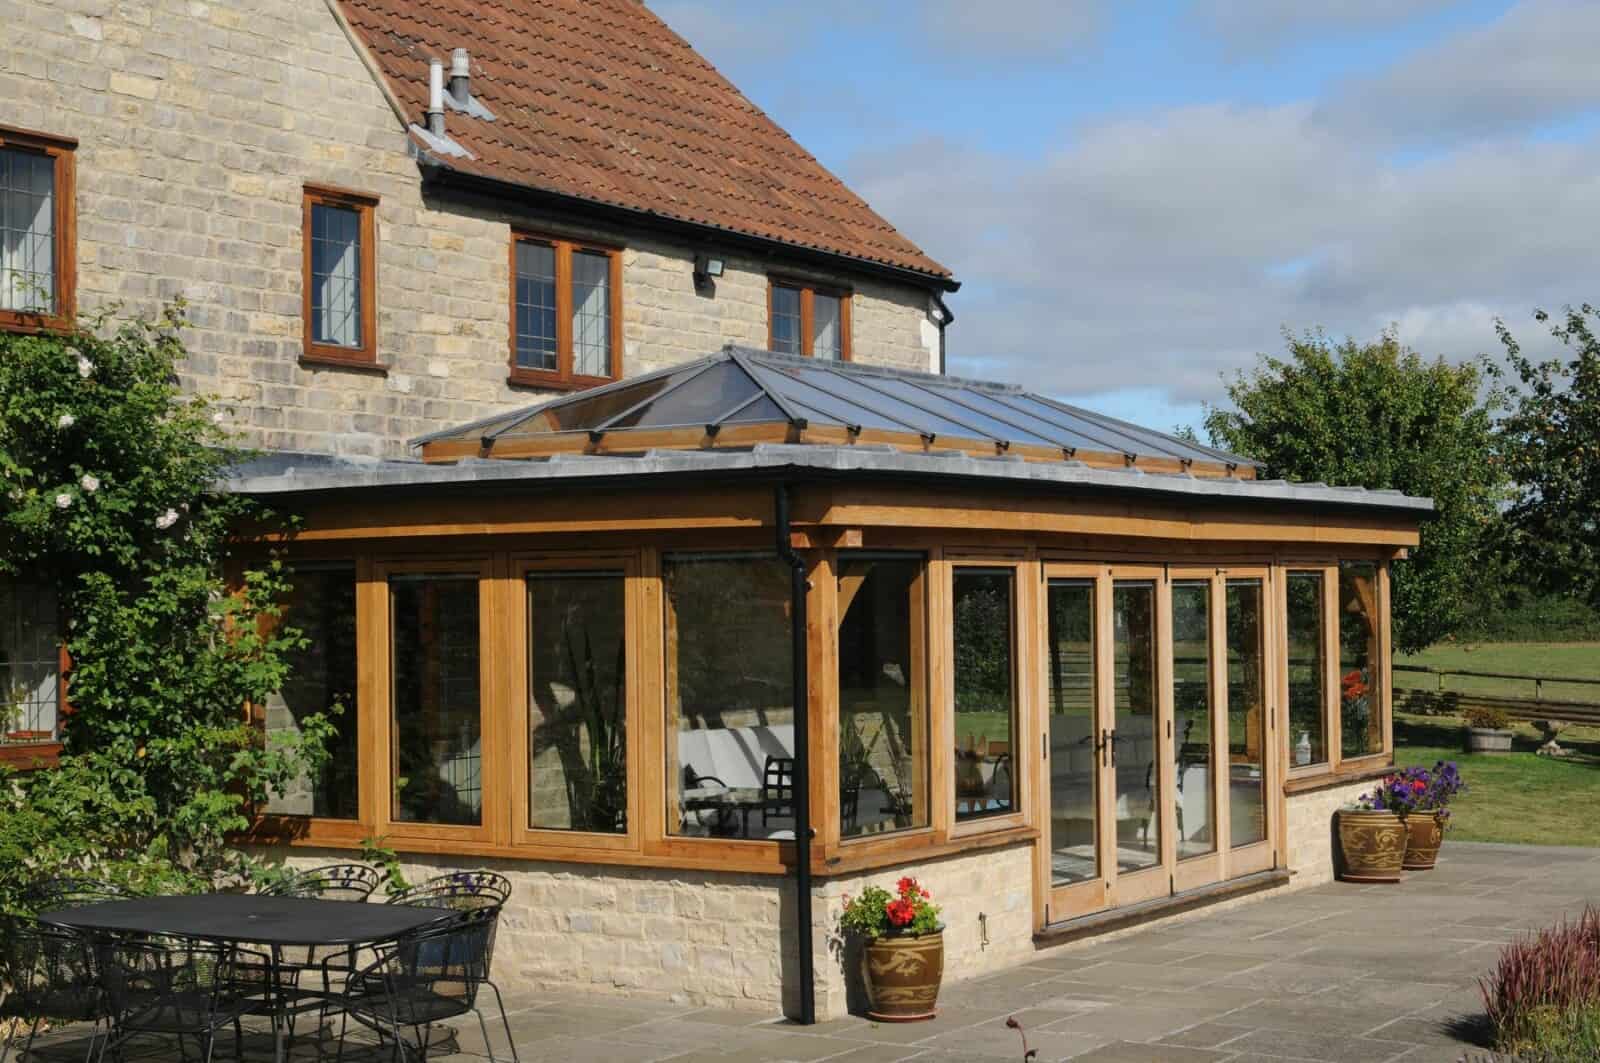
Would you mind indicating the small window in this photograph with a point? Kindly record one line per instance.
(566, 313)
(340, 282)
(36, 230)
(30, 664)
(803, 319)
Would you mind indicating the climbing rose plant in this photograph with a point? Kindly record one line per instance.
(108, 493)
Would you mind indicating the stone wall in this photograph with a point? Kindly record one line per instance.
(198, 125)
(1310, 838)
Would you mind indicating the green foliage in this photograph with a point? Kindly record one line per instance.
(376, 851)
(875, 912)
(1379, 415)
(108, 478)
(1552, 448)
(598, 792)
(1487, 719)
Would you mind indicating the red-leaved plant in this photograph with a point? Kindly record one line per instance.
(1556, 970)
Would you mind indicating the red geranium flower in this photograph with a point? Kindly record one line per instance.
(900, 912)
(906, 885)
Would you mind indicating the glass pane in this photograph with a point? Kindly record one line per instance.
(709, 395)
(1138, 794)
(577, 708)
(1361, 712)
(1191, 708)
(336, 275)
(438, 719)
(30, 663)
(1074, 819)
(883, 715)
(591, 313)
(827, 331)
(1307, 743)
(785, 319)
(985, 687)
(730, 697)
(536, 306)
(27, 231)
(1247, 697)
(322, 679)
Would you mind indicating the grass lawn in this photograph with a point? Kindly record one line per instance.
(1516, 796)
(1576, 659)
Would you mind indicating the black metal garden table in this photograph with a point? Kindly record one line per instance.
(252, 919)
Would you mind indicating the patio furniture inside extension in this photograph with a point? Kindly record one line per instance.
(189, 972)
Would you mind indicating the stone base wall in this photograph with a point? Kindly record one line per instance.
(1310, 840)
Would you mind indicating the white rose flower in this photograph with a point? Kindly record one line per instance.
(167, 519)
(218, 417)
(65, 421)
(90, 483)
(85, 367)
(63, 501)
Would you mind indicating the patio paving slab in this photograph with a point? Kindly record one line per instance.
(1339, 972)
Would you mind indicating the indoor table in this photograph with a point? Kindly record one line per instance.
(251, 919)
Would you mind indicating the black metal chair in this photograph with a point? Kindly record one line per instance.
(777, 789)
(67, 891)
(333, 882)
(426, 977)
(182, 989)
(458, 891)
(47, 972)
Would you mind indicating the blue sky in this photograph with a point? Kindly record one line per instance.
(1140, 196)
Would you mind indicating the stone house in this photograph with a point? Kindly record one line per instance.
(566, 352)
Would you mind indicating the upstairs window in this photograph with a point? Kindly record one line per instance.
(566, 313)
(36, 230)
(340, 278)
(804, 319)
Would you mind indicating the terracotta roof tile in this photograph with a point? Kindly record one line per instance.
(600, 100)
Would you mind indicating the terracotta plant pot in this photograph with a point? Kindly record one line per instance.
(902, 976)
(1488, 740)
(1373, 845)
(1424, 835)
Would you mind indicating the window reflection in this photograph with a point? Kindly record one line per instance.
(322, 679)
(1133, 754)
(437, 722)
(730, 697)
(577, 712)
(1074, 740)
(883, 719)
(1247, 804)
(985, 692)
(1307, 675)
(1360, 707)
(1191, 706)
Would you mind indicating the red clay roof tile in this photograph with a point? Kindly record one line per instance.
(600, 100)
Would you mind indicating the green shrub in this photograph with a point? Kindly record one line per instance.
(1486, 718)
(108, 491)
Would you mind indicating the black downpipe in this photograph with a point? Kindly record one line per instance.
(798, 586)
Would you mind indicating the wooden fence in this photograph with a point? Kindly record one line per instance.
(1435, 697)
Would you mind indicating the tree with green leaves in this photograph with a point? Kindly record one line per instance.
(1551, 439)
(1380, 415)
(109, 478)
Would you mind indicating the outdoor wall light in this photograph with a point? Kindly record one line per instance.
(707, 265)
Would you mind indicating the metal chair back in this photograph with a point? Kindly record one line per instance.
(47, 971)
(334, 882)
(164, 987)
(66, 891)
(458, 891)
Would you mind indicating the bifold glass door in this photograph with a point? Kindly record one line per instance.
(1157, 732)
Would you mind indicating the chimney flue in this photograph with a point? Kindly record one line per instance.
(460, 78)
(436, 97)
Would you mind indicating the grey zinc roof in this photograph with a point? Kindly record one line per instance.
(745, 386)
(297, 474)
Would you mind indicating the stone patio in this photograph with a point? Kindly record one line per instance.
(1336, 973)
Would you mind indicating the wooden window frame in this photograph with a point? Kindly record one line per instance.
(332, 355)
(62, 152)
(563, 378)
(808, 293)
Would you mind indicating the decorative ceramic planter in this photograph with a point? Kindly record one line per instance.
(1373, 844)
(902, 976)
(1488, 740)
(1424, 835)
